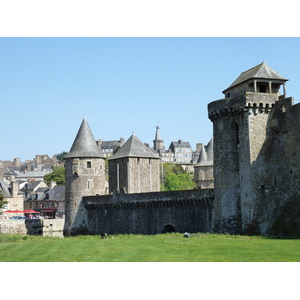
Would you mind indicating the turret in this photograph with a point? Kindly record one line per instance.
(135, 168)
(239, 129)
(203, 170)
(85, 176)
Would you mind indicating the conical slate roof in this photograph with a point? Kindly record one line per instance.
(202, 156)
(134, 147)
(84, 144)
(206, 157)
(210, 151)
(261, 71)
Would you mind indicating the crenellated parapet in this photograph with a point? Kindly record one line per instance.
(188, 198)
(248, 102)
(204, 203)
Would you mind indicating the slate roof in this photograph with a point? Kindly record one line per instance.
(57, 193)
(110, 144)
(134, 147)
(84, 144)
(261, 71)
(181, 145)
(33, 174)
(32, 184)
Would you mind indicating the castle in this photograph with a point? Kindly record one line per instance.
(255, 185)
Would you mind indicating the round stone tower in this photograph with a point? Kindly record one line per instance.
(85, 176)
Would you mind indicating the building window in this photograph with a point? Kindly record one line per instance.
(90, 184)
(89, 164)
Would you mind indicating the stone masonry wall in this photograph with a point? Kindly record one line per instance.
(148, 213)
(34, 226)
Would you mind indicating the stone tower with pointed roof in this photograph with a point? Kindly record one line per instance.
(84, 166)
(134, 168)
(241, 123)
(203, 170)
(158, 143)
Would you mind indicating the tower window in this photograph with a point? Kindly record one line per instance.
(89, 164)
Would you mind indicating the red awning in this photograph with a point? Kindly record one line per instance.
(49, 210)
(29, 211)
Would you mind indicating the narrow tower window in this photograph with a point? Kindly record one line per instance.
(89, 164)
(237, 138)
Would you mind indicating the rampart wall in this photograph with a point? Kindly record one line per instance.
(150, 213)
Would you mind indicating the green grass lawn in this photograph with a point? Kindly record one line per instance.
(151, 248)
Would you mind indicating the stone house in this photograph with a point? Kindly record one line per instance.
(48, 201)
(108, 147)
(183, 152)
(13, 196)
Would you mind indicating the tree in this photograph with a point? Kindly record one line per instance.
(2, 202)
(175, 179)
(60, 156)
(58, 175)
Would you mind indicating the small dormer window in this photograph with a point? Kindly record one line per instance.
(227, 95)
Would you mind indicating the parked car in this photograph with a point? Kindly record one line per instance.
(17, 218)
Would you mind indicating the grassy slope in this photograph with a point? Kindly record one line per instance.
(153, 248)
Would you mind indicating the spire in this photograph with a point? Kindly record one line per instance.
(157, 135)
(158, 143)
(206, 156)
(210, 151)
(84, 144)
(202, 156)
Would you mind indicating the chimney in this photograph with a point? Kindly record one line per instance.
(14, 188)
(99, 144)
(121, 142)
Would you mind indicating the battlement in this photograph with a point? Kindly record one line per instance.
(188, 198)
(249, 101)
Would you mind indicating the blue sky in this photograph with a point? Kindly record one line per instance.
(124, 85)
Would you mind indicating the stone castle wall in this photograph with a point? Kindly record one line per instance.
(149, 213)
